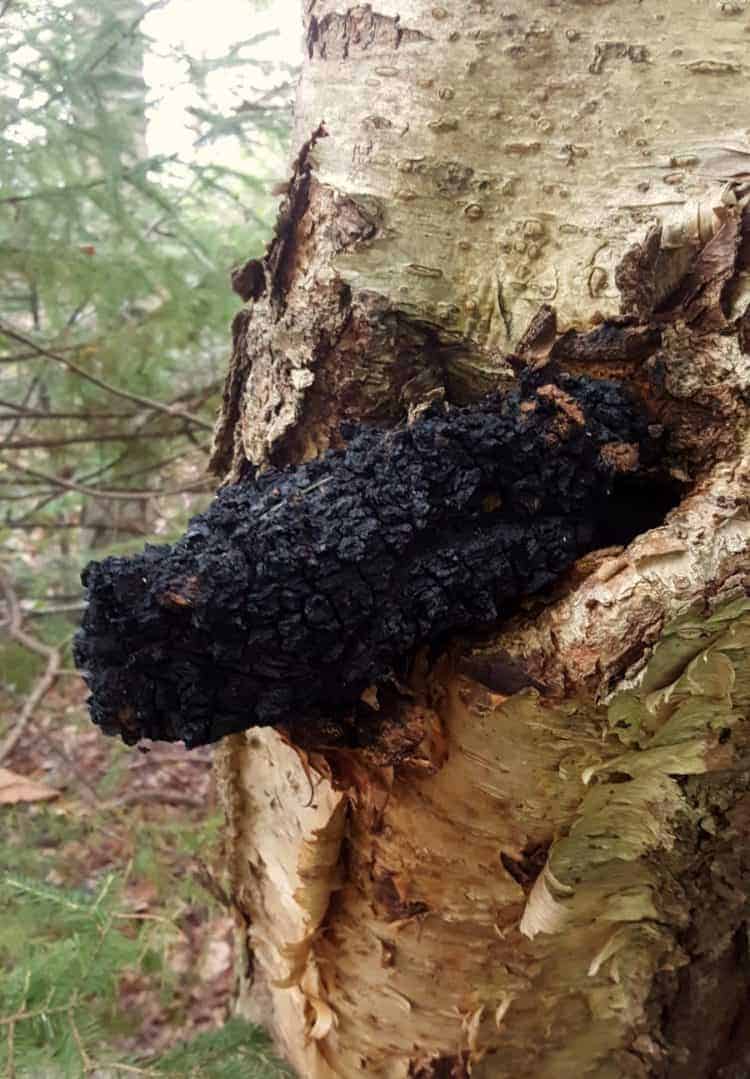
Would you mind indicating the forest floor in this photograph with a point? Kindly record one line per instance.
(78, 809)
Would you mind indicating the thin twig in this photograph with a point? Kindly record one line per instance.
(44, 683)
(55, 526)
(199, 395)
(17, 1017)
(18, 357)
(96, 492)
(38, 414)
(19, 522)
(159, 797)
(132, 1068)
(52, 495)
(11, 1024)
(109, 436)
(26, 398)
(85, 1059)
(116, 391)
(157, 466)
(52, 192)
(65, 608)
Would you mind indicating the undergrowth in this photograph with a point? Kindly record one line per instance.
(63, 955)
(67, 952)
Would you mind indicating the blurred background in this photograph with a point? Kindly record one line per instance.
(139, 148)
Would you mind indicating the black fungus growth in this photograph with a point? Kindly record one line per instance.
(298, 589)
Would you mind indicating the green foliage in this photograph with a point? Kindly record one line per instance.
(65, 950)
(115, 259)
(61, 971)
(237, 1051)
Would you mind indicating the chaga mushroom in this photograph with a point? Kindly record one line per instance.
(297, 590)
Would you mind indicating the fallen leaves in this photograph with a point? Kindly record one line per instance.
(15, 788)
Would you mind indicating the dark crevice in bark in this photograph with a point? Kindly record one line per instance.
(394, 905)
(278, 261)
(526, 868)
(630, 512)
(701, 1008)
(499, 672)
(453, 1066)
(299, 589)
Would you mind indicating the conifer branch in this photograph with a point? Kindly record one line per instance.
(116, 391)
(107, 436)
(96, 492)
(39, 414)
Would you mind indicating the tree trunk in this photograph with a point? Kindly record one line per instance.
(544, 871)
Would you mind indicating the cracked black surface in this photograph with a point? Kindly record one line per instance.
(297, 590)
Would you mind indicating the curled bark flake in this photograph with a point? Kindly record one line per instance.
(249, 281)
(613, 341)
(278, 262)
(700, 298)
(688, 281)
(539, 336)
(635, 276)
(228, 429)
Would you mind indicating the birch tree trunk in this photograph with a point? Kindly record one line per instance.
(544, 872)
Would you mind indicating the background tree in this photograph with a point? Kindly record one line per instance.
(543, 871)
